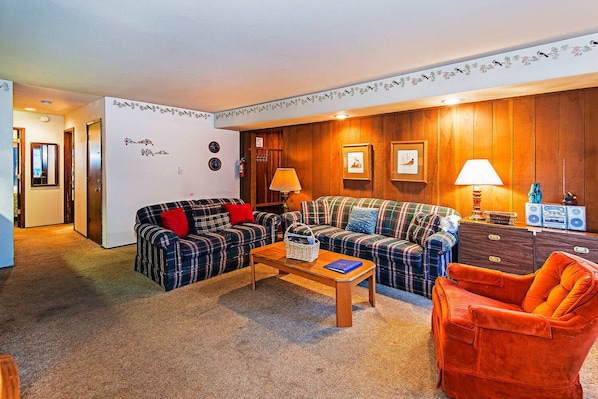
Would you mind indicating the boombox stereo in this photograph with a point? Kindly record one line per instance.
(571, 217)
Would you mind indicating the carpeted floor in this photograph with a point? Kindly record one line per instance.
(82, 324)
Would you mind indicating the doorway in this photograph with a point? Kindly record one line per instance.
(18, 183)
(69, 176)
(94, 181)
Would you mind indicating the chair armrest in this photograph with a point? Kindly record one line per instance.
(10, 386)
(289, 218)
(510, 321)
(156, 235)
(505, 287)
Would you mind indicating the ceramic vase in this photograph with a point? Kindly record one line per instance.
(535, 194)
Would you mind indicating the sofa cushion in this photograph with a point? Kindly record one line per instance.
(205, 224)
(175, 220)
(239, 213)
(340, 208)
(244, 234)
(315, 212)
(193, 246)
(206, 209)
(362, 220)
(390, 248)
(351, 243)
(422, 226)
(321, 232)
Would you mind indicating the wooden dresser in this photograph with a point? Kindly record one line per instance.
(519, 248)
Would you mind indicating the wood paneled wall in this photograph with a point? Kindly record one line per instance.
(533, 138)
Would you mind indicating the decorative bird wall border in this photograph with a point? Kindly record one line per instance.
(145, 151)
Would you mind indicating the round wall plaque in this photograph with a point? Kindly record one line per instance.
(214, 163)
(214, 147)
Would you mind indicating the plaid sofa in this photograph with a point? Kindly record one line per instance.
(173, 262)
(400, 263)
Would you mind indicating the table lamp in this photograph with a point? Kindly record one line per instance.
(285, 180)
(476, 173)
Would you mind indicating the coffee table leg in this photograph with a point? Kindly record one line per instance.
(372, 287)
(252, 271)
(344, 311)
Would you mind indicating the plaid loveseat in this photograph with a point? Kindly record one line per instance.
(206, 251)
(400, 263)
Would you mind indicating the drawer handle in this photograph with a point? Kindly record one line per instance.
(493, 237)
(494, 259)
(581, 250)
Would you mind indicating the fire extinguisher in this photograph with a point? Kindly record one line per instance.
(242, 167)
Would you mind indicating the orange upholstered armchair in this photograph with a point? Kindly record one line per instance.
(9, 378)
(500, 335)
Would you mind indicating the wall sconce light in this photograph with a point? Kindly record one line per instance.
(341, 117)
(476, 173)
(285, 180)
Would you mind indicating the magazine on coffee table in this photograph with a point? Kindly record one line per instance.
(343, 265)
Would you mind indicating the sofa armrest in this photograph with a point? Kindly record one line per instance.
(267, 219)
(440, 241)
(505, 287)
(510, 321)
(289, 218)
(156, 235)
(438, 253)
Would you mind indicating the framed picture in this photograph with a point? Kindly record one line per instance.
(409, 161)
(357, 161)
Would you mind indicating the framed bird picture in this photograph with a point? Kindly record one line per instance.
(409, 161)
(357, 161)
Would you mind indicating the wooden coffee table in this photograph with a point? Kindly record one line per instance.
(274, 255)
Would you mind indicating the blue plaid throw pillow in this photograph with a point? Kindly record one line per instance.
(211, 223)
(362, 220)
(422, 226)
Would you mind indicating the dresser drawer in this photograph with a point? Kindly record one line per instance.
(584, 245)
(506, 248)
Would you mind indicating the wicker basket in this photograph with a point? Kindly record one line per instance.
(299, 247)
(497, 217)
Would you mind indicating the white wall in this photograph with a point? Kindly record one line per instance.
(78, 120)
(7, 257)
(43, 205)
(132, 180)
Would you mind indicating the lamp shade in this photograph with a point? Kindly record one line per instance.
(285, 180)
(478, 172)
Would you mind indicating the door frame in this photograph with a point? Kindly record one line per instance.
(68, 178)
(99, 239)
(21, 200)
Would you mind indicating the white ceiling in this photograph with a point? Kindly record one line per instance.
(218, 55)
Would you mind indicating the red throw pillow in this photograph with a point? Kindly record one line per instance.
(175, 220)
(240, 213)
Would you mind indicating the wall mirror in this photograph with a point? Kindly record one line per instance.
(44, 164)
